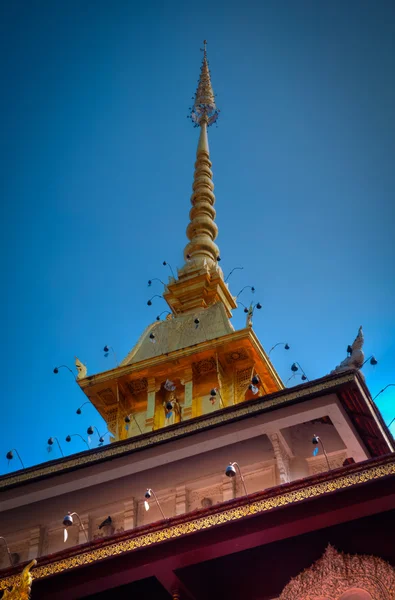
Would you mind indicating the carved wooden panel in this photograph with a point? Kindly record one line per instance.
(107, 396)
(339, 576)
(204, 366)
(235, 355)
(137, 386)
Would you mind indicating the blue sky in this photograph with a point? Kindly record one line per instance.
(97, 163)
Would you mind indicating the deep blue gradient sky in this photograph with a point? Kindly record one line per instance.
(96, 170)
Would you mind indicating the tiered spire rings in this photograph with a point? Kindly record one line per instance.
(200, 282)
(202, 230)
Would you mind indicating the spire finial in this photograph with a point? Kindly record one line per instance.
(204, 108)
(200, 281)
(202, 230)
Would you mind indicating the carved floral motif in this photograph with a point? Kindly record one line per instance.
(204, 366)
(138, 385)
(336, 573)
(235, 355)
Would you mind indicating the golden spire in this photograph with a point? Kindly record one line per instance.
(200, 282)
(202, 230)
(204, 96)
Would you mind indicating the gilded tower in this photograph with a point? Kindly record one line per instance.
(193, 362)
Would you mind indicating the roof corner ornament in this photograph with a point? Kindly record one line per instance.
(81, 368)
(356, 355)
(21, 591)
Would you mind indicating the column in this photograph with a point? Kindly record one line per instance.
(228, 488)
(283, 456)
(150, 414)
(129, 515)
(85, 522)
(181, 500)
(188, 383)
(34, 543)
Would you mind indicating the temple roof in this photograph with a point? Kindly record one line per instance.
(176, 333)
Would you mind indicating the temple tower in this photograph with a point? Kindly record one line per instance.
(170, 374)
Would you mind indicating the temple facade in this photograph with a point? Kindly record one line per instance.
(219, 482)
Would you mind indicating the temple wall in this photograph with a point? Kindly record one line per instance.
(195, 483)
(186, 474)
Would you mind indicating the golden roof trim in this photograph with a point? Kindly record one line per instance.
(222, 416)
(251, 508)
(121, 371)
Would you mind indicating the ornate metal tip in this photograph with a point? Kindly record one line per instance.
(204, 108)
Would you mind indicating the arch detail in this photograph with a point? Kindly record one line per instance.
(335, 574)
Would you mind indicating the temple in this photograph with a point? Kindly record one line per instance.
(219, 481)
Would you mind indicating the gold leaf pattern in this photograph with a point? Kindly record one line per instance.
(221, 516)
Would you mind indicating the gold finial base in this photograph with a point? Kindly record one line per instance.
(198, 288)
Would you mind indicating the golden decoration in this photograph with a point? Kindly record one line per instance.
(235, 355)
(22, 588)
(223, 515)
(336, 573)
(107, 396)
(204, 366)
(138, 385)
(209, 421)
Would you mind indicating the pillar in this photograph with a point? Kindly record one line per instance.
(228, 488)
(282, 455)
(129, 515)
(181, 500)
(188, 383)
(85, 522)
(150, 414)
(34, 543)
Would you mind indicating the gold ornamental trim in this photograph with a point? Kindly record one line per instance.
(254, 507)
(23, 588)
(223, 416)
